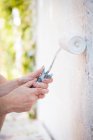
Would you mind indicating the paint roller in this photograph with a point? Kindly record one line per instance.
(76, 45)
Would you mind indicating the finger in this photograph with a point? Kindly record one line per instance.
(36, 73)
(29, 77)
(47, 81)
(41, 96)
(30, 83)
(23, 80)
(38, 91)
(40, 85)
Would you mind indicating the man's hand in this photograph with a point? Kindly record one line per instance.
(22, 98)
(44, 84)
(30, 76)
(11, 85)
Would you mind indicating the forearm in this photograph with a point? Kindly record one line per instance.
(2, 118)
(8, 87)
(5, 108)
(5, 88)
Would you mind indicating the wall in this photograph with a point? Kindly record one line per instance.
(64, 110)
(89, 68)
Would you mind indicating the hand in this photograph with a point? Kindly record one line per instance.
(21, 99)
(30, 76)
(43, 85)
(11, 85)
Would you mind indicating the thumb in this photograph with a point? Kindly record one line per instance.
(30, 83)
(36, 73)
(29, 77)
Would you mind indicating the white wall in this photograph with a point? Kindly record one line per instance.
(63, 110)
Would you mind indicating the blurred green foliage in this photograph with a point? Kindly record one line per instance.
(7, 37)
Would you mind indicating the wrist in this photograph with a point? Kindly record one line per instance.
(5, 106)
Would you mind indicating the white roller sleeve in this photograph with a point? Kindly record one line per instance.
(76, 45)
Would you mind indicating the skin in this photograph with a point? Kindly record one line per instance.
(8, 86)
(21, 99)
(15, 96)
(2, 118)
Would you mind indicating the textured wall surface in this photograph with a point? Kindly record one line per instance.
(68, 109)
(88, 4)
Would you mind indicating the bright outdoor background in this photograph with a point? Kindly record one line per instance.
(17, 43)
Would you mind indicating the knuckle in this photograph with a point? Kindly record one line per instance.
(39, 90)
(44, 85)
